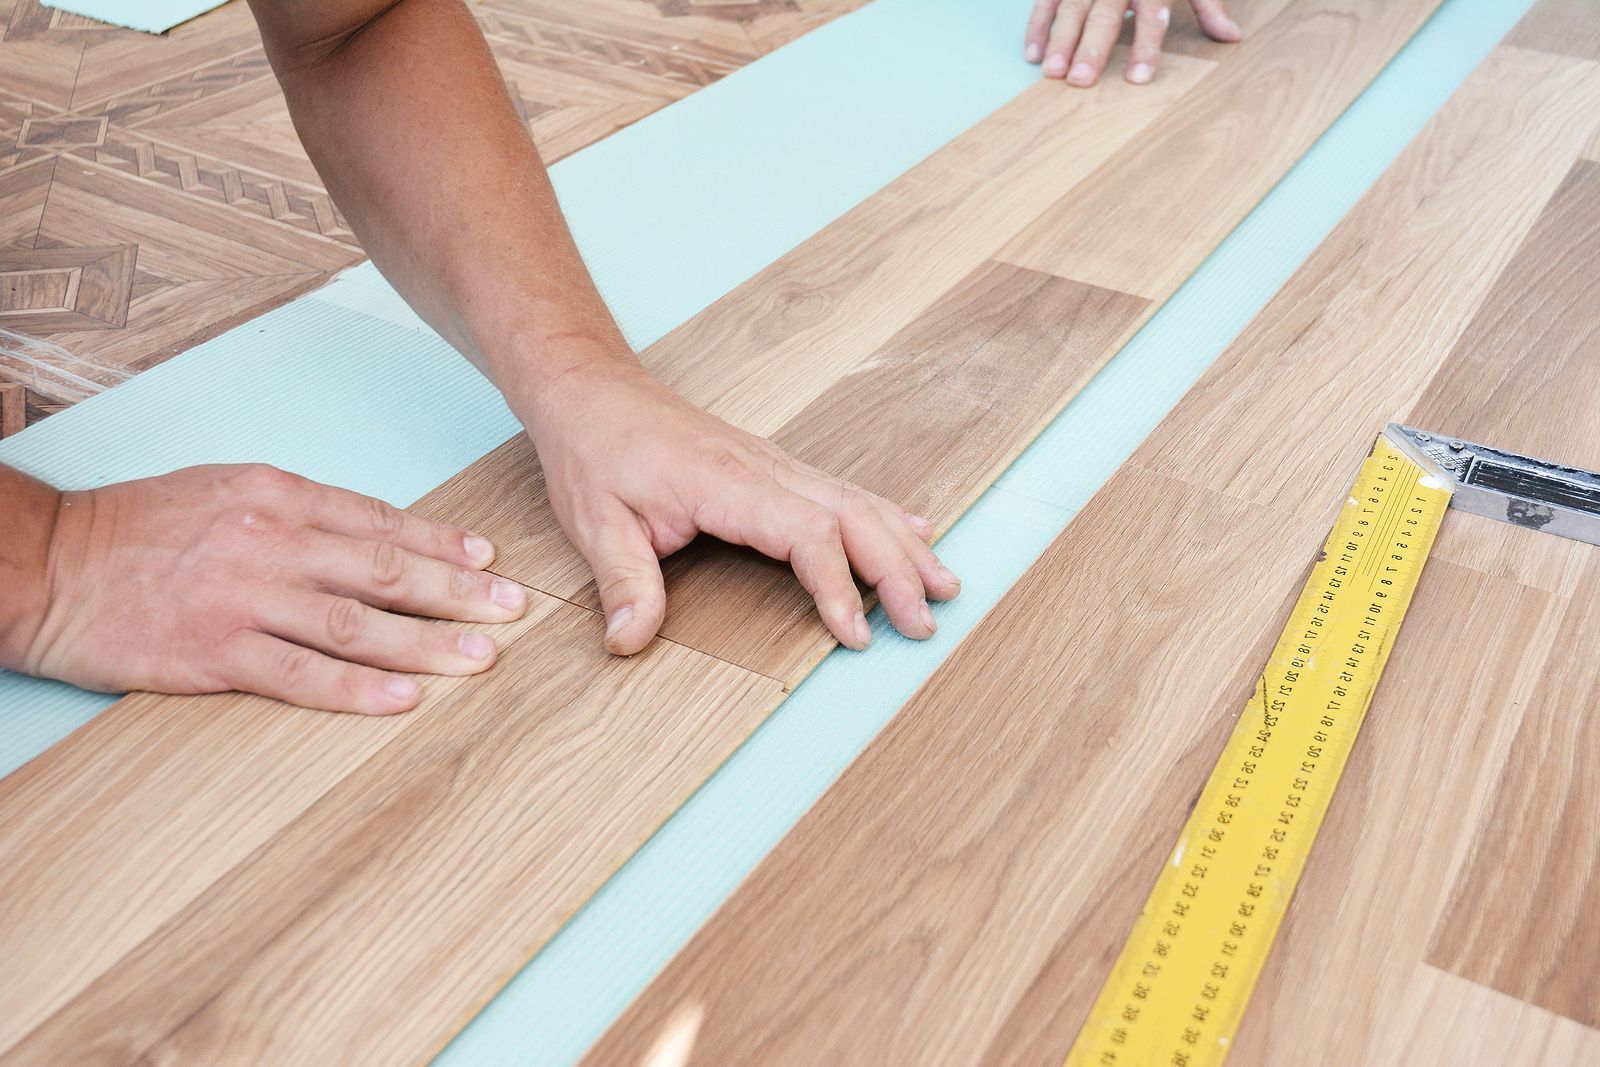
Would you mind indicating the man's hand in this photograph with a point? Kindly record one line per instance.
(1073, 38)
(245, 577)
(634, 472)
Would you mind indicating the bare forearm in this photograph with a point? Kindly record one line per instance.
(410, 126)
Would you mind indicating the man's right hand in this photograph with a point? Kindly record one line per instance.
(246, 577)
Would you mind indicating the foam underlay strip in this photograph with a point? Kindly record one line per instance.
(400, 412)
(151, 16)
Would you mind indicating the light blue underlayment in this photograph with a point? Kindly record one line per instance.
(151, 16)
(345, 386)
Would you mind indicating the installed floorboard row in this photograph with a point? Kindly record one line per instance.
(958, 894)
(369, 924)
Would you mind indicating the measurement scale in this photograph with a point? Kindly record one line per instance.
(1180, 986)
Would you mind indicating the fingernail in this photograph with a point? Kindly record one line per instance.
(918, 520)
(1234, 27)
(863, 631)
(478, 550)
(1140, 73)
(401, 690)
(925, 613)
(508, 595)
(947, 575)
(1055, 66)
(1083, 72)
(1034, 52)
(475, 646)
(619, 618)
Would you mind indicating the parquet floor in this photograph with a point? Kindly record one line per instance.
(153, 192)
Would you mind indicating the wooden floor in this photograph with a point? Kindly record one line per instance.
(223, 877)
(153, 192)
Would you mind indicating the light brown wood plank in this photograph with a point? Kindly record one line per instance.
(959, 893)
(1386, 297)
(1566, 27)
(1445, 1020)
(1525, 914)
(1137, 229)
(108, 835)
(378, 921)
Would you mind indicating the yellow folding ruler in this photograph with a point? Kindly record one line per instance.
(1178, 991)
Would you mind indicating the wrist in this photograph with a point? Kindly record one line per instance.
(29, 524)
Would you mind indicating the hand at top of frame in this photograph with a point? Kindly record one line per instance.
(634, 472)
(1073, 39)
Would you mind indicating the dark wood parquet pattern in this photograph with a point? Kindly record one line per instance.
(153, 192)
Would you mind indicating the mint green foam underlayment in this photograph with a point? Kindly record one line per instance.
(965, 59)
(347, 386)
(152, 16)
(607, 954)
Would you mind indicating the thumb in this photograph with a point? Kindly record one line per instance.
(628, 575)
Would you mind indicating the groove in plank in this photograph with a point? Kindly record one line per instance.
(960, 892)
(1446, 1020)
(1163, 203)
(108, 835)
(430, 873)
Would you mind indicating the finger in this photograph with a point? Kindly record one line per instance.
(387, 576)
(879, 556)
(1150, 22)
(340, 511)
(939, 581)
(1064, 33)
(1101, 28)
(1033, 41)
(1215, 21)
(352, 631)
(259, 663)
(784, 525)
(628, 575)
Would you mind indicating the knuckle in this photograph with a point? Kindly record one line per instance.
(294, 668)
(386, 521)
(347, 619)
(388, 564)
(263, 480)
(465, 584)
(727, 463)
(820, 524)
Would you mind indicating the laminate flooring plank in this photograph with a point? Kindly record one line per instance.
(1445, 1021)
(1384, 299)
(1566, 27)
(387, 911)
(1135, 227)
(958, 895)
(1525, 914)
(107, 836)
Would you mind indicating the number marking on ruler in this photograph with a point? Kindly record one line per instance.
(1180, 986)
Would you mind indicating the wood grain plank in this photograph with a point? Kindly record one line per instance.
(1525, 914)
(1565, 27)
(1374, 316)
(1445, 1020)
(958, 894)
(1135, 228)
(929, 420)
(108, 835)
(392, 907)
